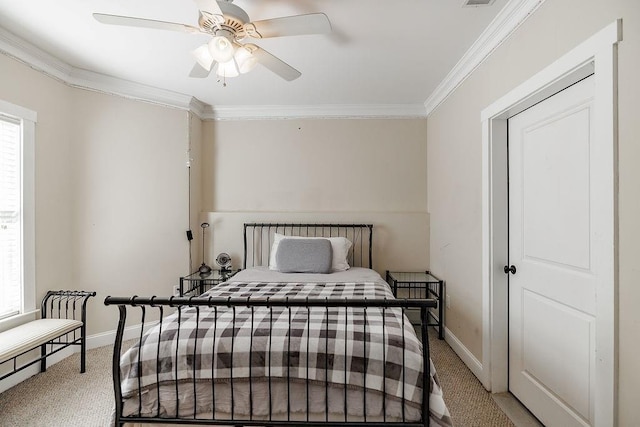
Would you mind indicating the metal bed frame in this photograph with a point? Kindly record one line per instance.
(259, 236)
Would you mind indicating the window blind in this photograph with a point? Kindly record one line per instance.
(10, 217)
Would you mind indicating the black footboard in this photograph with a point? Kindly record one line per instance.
(139, 310)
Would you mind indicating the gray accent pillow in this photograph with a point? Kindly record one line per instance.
(304, 256)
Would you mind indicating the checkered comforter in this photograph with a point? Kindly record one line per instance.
(334, 345)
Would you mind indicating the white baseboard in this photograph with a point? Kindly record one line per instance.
(109, 337)
(463, 353)
(93, 341)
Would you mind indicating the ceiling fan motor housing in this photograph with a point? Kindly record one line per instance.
(234, 20)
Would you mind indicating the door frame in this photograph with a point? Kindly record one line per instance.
(597, 55)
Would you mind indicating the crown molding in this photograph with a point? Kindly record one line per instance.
(90, 80)
(34, 57)
(328, 111)
(512, 15)
(39, 60)
(23, 51)
(198, 107)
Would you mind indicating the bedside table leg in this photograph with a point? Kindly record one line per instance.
(394, 285)
(441, 309)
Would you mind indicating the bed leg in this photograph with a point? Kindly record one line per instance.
(115, 365)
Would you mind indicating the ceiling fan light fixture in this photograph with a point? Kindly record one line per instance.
(203, 57)
(228, 25)
(221, 49)
(245, 59)
(227, 69)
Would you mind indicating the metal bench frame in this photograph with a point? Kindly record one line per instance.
(59, 305)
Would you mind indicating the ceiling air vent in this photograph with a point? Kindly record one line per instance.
(476, 3)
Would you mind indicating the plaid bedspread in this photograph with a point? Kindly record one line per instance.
(353, 346)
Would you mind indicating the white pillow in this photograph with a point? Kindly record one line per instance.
(339, 245)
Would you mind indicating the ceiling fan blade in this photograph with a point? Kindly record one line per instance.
(144, 23)
(275, 64)
(199, 72)
(313, 23)
(212, 8)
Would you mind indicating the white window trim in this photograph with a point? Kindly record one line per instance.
(28, 120)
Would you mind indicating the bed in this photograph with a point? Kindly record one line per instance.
(275, 348)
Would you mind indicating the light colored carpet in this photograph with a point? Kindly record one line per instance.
(62, 397)
(469, 403)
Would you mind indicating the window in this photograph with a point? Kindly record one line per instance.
(10, 217)
(17, 237)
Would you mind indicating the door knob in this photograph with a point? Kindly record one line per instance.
(511, 269)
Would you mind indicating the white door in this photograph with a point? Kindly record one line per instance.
(552, 295)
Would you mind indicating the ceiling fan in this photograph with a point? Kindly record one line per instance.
(229, 26)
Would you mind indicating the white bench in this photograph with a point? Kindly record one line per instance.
(63, 324)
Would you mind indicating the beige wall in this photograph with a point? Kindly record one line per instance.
(111, 190)
(316, 165)
(130, 199)
(454, 168)
(313, 170)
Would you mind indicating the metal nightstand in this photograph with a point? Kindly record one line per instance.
(420, 284)
(196, 284)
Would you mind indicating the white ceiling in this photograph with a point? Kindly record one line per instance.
(392, 52)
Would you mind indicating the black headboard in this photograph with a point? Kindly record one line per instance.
(258, 238)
